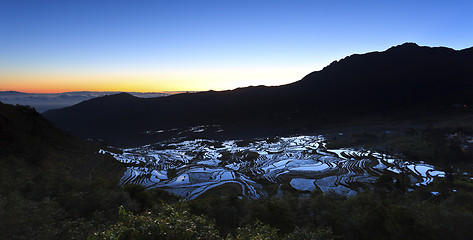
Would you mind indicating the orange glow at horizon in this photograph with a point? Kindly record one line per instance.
(171, 80)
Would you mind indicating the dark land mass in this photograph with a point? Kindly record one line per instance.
(27, 135)
(405, 82)
(52, 185)
(56, 186)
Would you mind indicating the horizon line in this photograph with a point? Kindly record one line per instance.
(94, 91)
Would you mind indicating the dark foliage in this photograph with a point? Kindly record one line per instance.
(416, 215)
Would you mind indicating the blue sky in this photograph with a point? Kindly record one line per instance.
(53, 46)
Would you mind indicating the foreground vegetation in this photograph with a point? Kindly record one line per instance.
(417, 215)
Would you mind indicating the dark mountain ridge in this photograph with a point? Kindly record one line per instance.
(403, 82)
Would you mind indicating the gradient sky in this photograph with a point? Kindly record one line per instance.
(57, 46)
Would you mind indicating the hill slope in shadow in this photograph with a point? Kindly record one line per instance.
(52, 184)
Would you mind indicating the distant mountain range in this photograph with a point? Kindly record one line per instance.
(404, 82)
(46, 101)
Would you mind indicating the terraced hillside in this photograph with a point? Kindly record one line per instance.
(190, 168)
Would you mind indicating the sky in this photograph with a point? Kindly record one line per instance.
(152, 46)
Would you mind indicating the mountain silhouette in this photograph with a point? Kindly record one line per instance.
(404, 82)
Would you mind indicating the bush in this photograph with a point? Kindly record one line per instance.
(170, 223)
(257, 231)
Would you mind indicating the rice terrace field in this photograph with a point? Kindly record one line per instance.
(190, 168)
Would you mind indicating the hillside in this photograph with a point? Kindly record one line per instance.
(402, 83)
(29, 137)
(52, 185)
